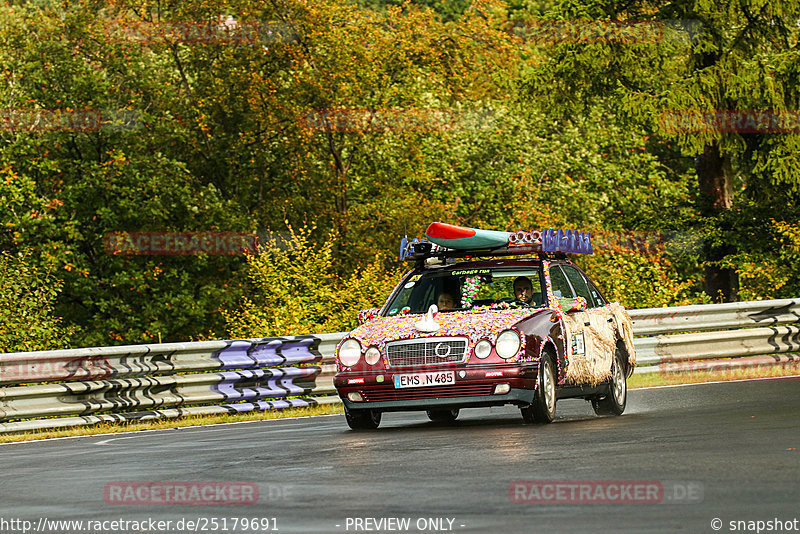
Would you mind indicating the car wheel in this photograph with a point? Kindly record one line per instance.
(613, 403)
(443, 416)
(543, 408)
(362, 419)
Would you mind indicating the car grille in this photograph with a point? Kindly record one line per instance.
(429, 351)
(430, 392)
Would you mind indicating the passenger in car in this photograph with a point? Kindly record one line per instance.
(445, 301)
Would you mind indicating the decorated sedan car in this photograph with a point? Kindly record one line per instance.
(487, 318)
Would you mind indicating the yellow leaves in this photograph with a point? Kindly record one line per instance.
(54, 203)
(299, 291)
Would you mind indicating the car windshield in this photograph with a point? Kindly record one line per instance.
(461, 289)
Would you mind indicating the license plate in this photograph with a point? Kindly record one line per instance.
(419, 380)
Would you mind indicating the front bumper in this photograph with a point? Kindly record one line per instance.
(473, 389)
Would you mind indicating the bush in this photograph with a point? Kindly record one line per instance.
(767, 263)
(27, 297)
(295, 289)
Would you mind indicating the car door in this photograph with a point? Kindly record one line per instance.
(574, 338)
(599, 332)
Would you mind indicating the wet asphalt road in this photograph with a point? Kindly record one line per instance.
(735, 446)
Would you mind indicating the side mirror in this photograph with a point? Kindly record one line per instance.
(367, 315)
(578, 304)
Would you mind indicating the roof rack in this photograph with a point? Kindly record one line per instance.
(449, 241)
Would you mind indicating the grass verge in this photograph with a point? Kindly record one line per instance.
(642, 380)
(634, 382)
(113, 428)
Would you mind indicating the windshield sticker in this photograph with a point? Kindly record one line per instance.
(415, 277)
(409, 285)
(471, 271)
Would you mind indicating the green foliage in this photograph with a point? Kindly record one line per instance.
(640, 279)
(295, 289)
(767, 264)
(436, 111)
(27, 297)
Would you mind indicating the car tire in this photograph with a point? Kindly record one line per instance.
(362, 419)
(443, 416)
(543, 408)
(613, 403)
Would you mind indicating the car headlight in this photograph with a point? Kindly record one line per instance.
(372, 355)
(350, 352)
(482, 349)
(508, 344)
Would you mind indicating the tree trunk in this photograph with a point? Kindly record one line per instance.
(716, 192)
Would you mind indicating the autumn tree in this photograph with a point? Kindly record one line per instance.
(687, 58)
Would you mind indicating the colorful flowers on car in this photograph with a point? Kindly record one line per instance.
(478, 323)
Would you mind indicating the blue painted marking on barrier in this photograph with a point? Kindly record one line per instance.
(301, 350)
(265, 354)
(241, 354)
(235, 355)
(263, 405)
(262, 383)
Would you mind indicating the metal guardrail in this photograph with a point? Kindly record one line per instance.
(705, 317)
(717, 336)
(86, 386)
(162, 380)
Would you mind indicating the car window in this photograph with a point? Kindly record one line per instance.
(579, 284)
(598, 298)
(483, 286)
(501, 286)
(561, 287)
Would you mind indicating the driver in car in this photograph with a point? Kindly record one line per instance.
(523, 290)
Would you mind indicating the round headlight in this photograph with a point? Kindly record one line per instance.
(350, 352)
(372, 355)
(483, 349)
(508, 344)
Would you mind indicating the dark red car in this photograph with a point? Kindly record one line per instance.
(490, 329)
